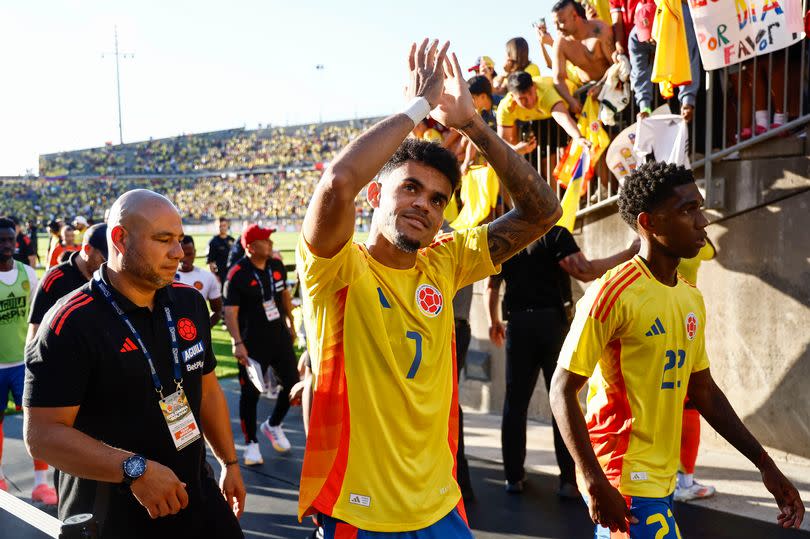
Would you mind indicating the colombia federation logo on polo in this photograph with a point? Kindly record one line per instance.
(429, 300)
(187, 329)
(192, 352)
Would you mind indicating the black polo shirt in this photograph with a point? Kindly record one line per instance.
(218, 249)
(534, 278)
(83, 355)
(242, 290)
(23, 248)
(57, 281)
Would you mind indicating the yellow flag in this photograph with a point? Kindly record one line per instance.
(479, 193)
(570, 200)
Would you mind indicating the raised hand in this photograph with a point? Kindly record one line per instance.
(426, 66)
(454, 107)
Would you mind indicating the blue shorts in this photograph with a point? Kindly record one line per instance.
(655, 520)
(451, 526)
(12, 379)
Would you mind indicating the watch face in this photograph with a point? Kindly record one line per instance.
(134, 466)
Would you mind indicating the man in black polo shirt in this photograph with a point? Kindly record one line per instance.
(536, 304)
(120, 386)
(218, 248)
(69, 275)
(258, 315)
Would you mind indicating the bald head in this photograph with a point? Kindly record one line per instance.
(144, 230)
(134, 208)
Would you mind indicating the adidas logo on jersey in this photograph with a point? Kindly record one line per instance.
(656, 329)
(129, 346)
(357, 499)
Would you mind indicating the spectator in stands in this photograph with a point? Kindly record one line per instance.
(538, 304)
(531, 99)
(258, 315)
(204, 282)
(129, 445)
(17, 284)
(642, 53)
(517, 59)
(218, 248)
(54, 238)
(67, 243)
(24, 250)
(586, 44)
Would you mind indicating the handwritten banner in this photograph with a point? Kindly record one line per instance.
(732, 31)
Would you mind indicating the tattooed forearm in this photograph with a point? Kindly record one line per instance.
(536, 207)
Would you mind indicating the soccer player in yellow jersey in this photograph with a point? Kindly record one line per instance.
(380, 454)
(639, 336)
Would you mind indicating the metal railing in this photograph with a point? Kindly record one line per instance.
(718, 124)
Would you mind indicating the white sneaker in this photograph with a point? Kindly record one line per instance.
(276, 436)
(695, 492)
(252, 456)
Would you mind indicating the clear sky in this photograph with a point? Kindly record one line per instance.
(208, 65)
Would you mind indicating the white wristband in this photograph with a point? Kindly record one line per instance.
(417, 110)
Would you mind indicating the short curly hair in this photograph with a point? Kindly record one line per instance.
(648, 186)
(427, 153)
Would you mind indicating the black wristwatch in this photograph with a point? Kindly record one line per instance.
(134, 467)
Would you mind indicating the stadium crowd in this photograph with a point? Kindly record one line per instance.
(237, 149)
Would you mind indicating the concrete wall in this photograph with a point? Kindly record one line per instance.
(757, 295)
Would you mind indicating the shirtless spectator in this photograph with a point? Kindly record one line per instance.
(587, 44)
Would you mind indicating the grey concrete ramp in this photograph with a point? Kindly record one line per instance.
(273, 496)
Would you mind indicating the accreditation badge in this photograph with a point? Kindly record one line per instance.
(271, 310)
(179, 418)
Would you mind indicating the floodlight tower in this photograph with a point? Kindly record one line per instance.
(118, 55)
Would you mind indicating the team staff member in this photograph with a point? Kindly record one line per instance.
(384, 426)
(69, 275)
(218, 248)
(258, 315)
(537, 298)
(16, 284)
(639, 336)
(203, 281)
(120, 389)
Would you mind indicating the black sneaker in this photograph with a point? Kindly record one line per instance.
(514, 488)
(569, 491)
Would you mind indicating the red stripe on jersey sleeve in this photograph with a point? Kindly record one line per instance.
(601, 294)
(78, 296)
(82, 303)
(327, 449)
(640, 265)
(50, 279)
(440, 239)
(232, 271)
(614, 284)
(617, 294)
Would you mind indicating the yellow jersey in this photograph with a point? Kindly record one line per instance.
(638, 341)
(688, 268)
(547, 96)
(383, 433)
(532, 70)
(479, 192)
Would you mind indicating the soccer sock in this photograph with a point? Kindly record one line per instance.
(779, 118)
(761, 117)
(690, 441)
(40, 477)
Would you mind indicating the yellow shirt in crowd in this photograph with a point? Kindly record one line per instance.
(638, 341)
(547, 96)
(384, 425)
